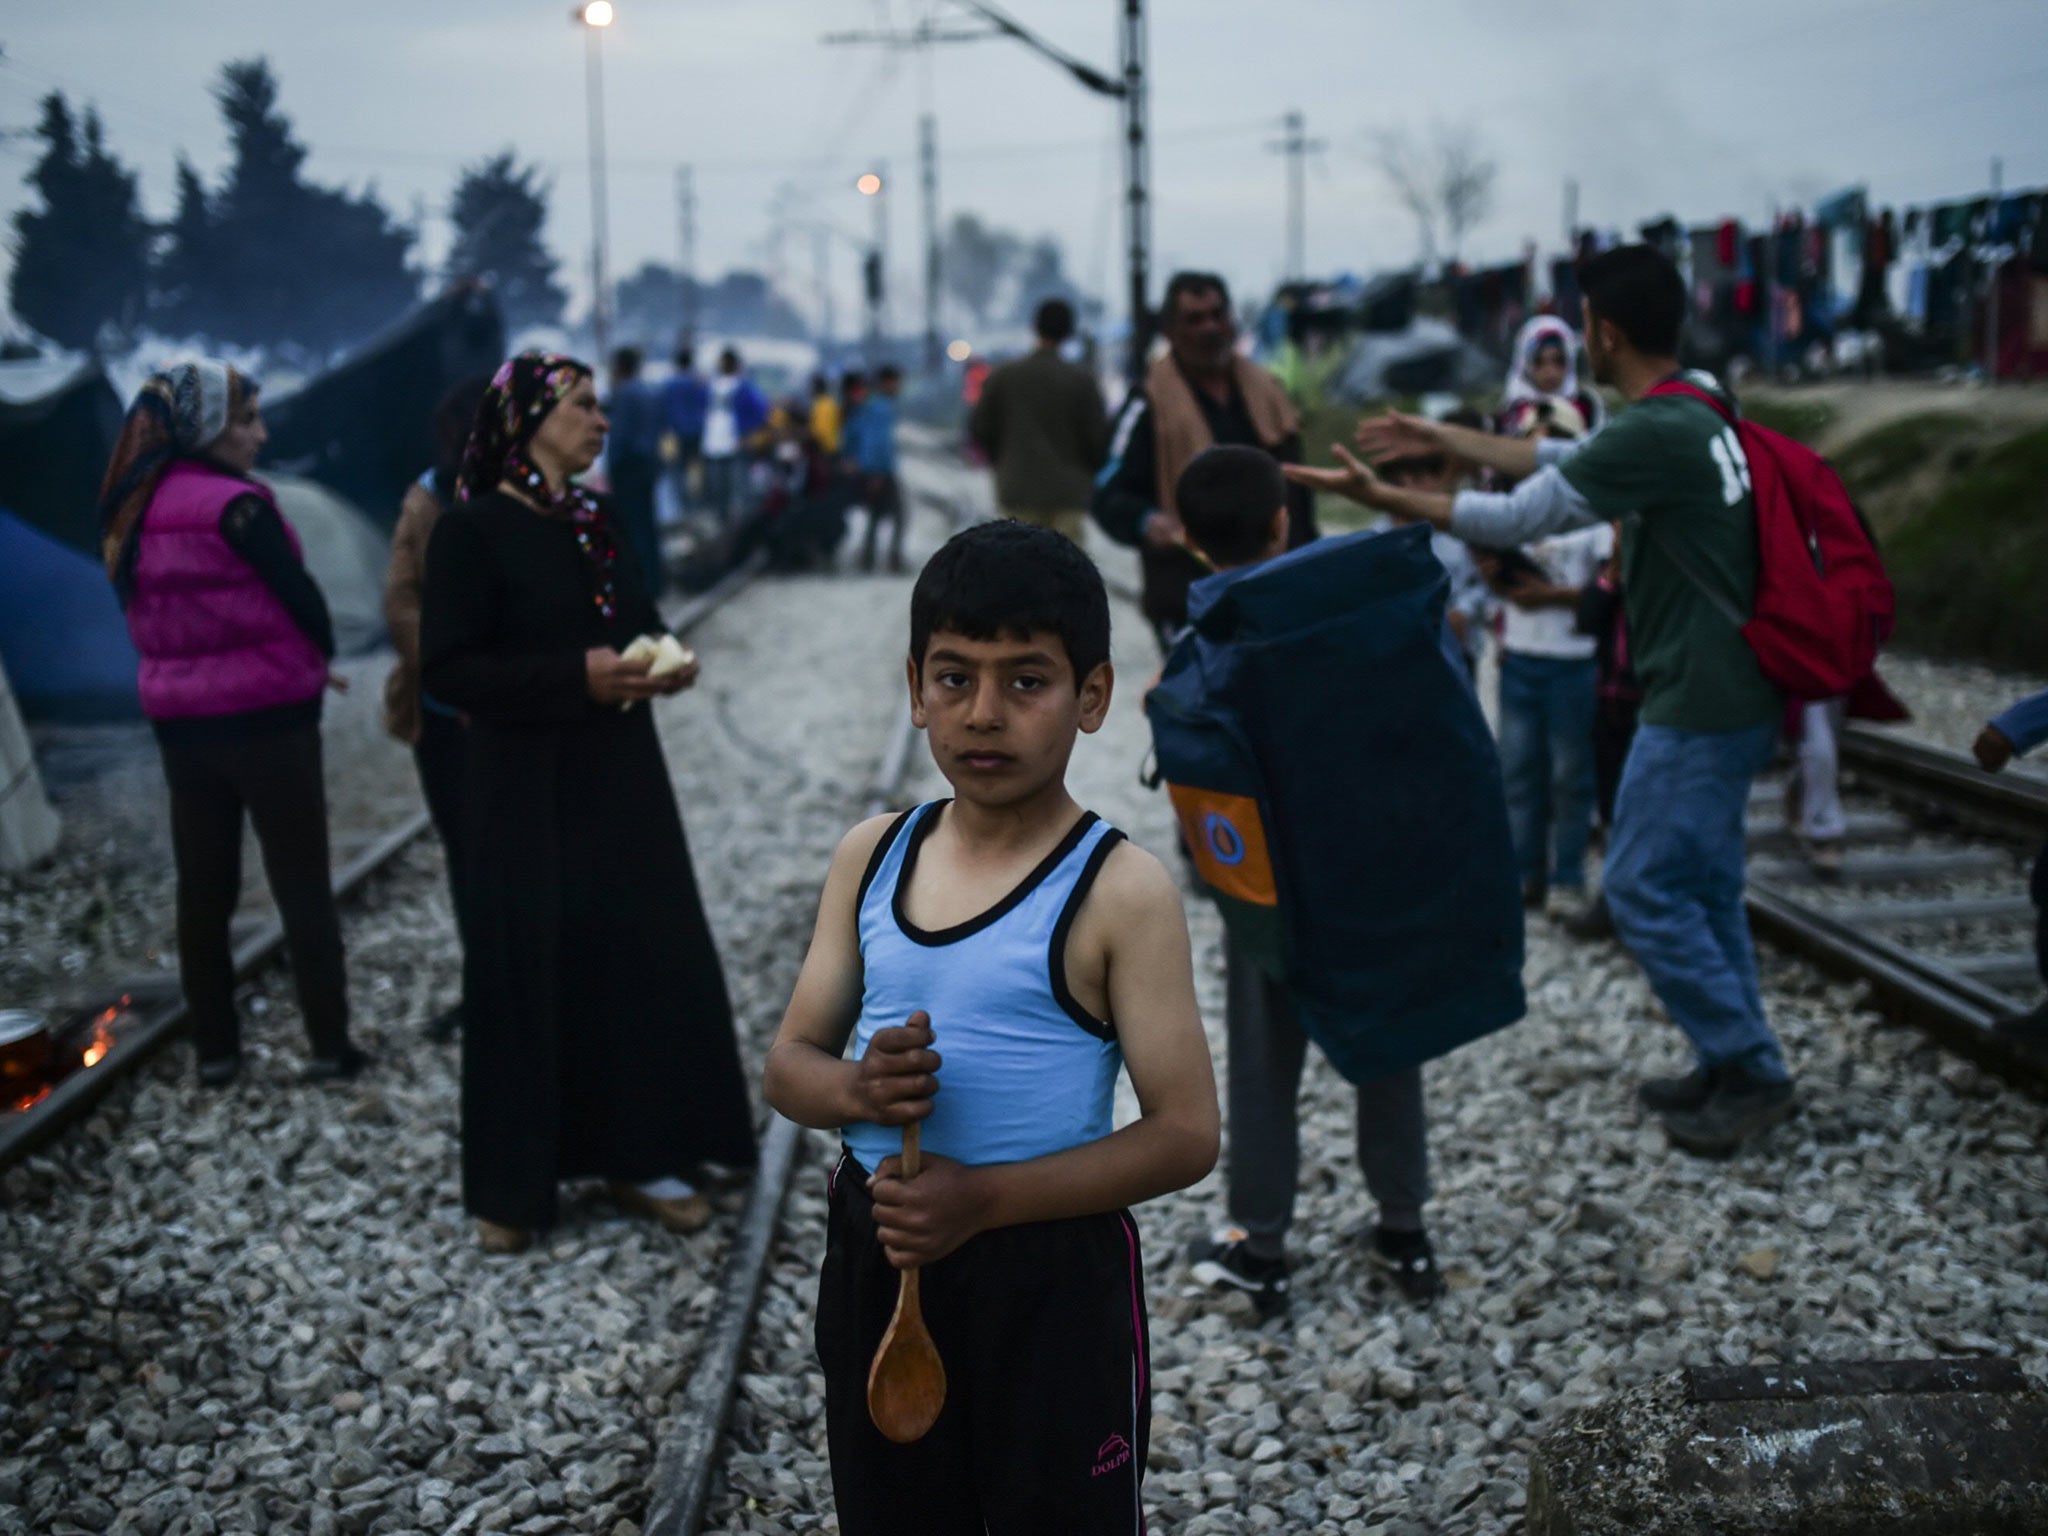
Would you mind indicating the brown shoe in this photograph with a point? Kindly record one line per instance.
(689, 1214)
(493, 1238)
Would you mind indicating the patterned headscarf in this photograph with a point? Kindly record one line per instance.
(177, 413)
(522, 393)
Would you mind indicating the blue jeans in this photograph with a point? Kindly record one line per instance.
(1546, 759)
(1674, 884)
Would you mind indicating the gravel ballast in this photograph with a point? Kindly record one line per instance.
(264, 1310)
(1905, 1213)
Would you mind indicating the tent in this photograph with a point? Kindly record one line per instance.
(365, 426)
(345, 551)
(1428, 357)
(57, 427)
(64, 640)
(62, 636)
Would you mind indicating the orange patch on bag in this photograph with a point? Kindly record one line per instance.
(1228, 841)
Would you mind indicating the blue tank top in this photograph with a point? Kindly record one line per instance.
(1026, 1071)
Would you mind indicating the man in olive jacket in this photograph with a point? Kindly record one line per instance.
(1041, 421)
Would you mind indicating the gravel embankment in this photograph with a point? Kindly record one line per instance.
(263, 1310)
(1904, 1214)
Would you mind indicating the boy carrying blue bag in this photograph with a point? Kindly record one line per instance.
(1340, 797)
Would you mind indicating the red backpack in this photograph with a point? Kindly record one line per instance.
(1823, 602)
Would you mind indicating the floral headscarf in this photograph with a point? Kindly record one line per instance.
(178, 411)
(522, 393)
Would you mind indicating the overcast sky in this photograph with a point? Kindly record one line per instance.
(1701, 109)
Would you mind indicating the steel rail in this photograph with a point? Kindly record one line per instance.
(687, 1460)
(1947, 781)
(1956, 1010)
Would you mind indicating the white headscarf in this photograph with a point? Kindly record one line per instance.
(199, 395)
(1534, 332)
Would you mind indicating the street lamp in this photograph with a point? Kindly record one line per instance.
(594, 17)
(870, 184)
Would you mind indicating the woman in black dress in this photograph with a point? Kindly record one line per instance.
(597, 1038)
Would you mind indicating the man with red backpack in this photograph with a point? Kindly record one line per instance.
(1707, 615)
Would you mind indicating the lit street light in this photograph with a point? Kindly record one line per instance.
(960, 350)
(594, 18)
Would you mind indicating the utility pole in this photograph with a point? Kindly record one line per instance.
(1137, 185)
(821, 261)
(686, 222)
(600, 221)
(1991, 298)
(928, 155)
(1130, 90)
(874, 185)
(1571, 215)
(1297, 147)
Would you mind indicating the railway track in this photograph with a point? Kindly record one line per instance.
(1931, 909)
(117, 1033)
(687, 1461)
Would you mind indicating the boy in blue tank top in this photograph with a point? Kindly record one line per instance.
(993, 960)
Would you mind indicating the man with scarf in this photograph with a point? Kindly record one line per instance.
(1200, 394)
(597, 1037)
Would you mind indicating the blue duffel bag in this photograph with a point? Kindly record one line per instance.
(1340, 796)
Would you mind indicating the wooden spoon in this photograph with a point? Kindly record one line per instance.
(907, 1382)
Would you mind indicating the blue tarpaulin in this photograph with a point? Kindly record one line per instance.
(62, 634)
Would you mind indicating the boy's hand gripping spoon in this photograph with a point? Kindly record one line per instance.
(907, 1382)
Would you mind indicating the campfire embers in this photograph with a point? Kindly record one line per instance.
(35, 1057)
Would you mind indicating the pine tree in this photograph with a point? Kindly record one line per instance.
(82, 259)
(271, 258)
(186, 295)
(499, 211)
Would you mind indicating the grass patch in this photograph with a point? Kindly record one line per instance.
(1803, 420)
(1971, 564)
(1882, 457)
(1322, 425)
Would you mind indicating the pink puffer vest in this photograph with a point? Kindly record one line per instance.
(214, 639)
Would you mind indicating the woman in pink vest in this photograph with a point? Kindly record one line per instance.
(235, 639)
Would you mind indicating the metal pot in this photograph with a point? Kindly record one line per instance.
(27, 1057)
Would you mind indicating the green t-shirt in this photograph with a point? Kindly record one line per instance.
(1674, 471)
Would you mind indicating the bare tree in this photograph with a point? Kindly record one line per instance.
(1444, 179)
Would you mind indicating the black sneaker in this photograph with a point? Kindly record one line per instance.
(219, 1071)
(1407, 1259)
(1225, 1262)
(341, 1068)
(1741, 1106)
(1668, 1095)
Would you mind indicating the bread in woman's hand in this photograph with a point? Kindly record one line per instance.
(670, 656)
